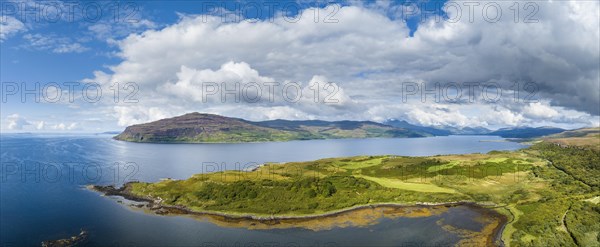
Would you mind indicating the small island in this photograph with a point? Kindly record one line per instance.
(67, 242)
(548, 193)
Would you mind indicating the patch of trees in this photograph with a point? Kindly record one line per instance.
(308, 187)
(581, 164)
(583, 222)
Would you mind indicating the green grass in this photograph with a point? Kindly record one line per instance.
(359, 162)
(286, 196)
(443, 167)
(419, 187)
(496, 160)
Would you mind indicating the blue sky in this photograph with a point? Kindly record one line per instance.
(99, 50)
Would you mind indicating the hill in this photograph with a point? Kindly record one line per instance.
(198, 128)
(584, 138)
(526, 132)
(424, 129)
(466, 130)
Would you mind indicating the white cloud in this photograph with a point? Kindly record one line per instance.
(53, 43)
(128, 115)
(368, 55)
(16, 122)
(110, 30)
(10, 26)
(539, 110)
(73, 126)
(60, 126)
(40, 125)
(69, 48)
(68, 126)
(190, 81)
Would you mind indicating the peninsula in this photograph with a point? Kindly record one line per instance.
(200, 128)
(549, 192)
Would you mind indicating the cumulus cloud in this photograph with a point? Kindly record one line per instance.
(192, 83)
(63, 126)
(539, 110)
(10, 26)
(368, 55)
(40, 125)
(16, 122)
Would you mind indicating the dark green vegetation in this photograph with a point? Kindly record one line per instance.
(196, 128)
(551, 193)
(581, 164)
(582, 221)
(566, 210)
(303, 196)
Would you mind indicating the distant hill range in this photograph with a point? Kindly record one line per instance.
(430, 130)
(517, 132)
(199, 128)
(438, 130)
(526, 132)
(583, 132)
(588, 138)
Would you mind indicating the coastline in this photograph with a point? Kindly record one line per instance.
(157, 207)
(267, 141)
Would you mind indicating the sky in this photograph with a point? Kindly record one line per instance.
(95, 66)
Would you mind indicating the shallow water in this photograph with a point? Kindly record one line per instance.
(42, 195)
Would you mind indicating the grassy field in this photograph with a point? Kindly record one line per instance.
(549, 192)
(399, 184)
(587, 138)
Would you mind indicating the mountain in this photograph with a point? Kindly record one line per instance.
(526, 132)
(438, 130)
(466, 130)
(518, 132)
(197, 128)
(109, 133)
(429, 130)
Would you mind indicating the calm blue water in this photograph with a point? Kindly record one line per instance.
(42, 195)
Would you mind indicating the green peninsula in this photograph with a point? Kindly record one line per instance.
(549, 192)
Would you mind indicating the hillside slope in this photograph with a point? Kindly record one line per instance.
(198, 128)
(526, 132)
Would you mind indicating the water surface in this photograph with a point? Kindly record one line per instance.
(42, 195)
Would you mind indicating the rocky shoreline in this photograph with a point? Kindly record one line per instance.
(159, 208)
(72, 241)
(156, 206)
